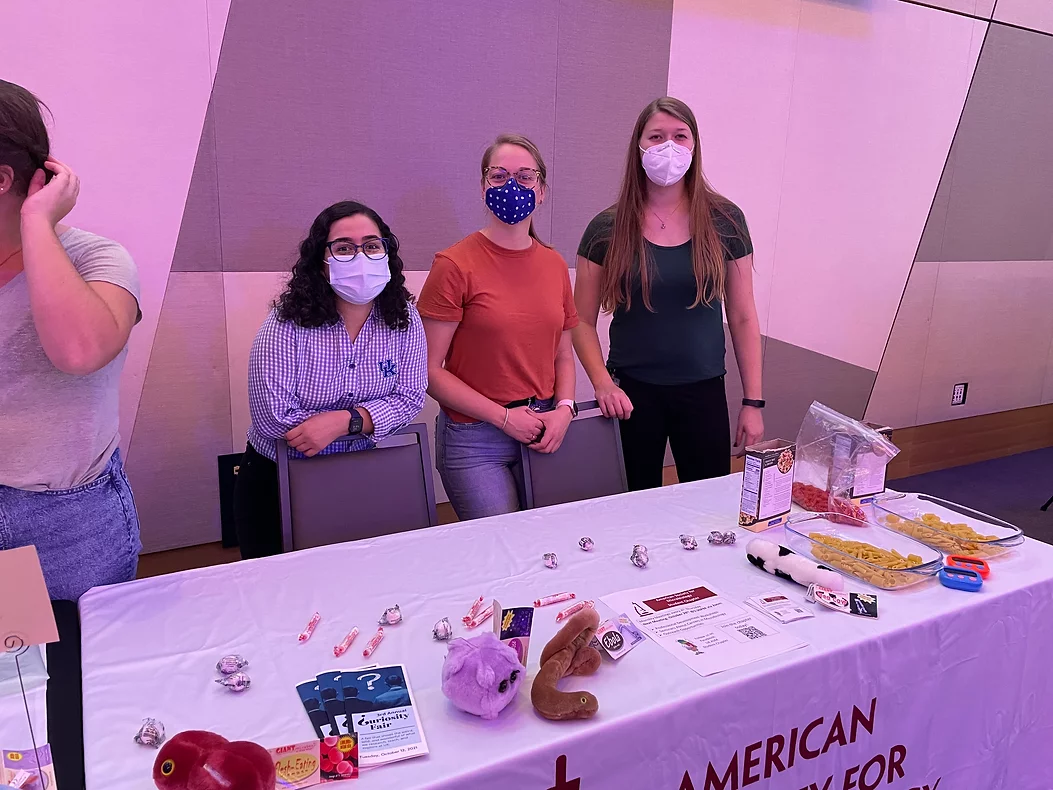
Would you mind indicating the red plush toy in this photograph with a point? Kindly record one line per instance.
(198, 760)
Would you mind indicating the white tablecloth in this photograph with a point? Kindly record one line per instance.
(948, 685)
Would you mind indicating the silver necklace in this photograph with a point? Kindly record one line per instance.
(671, 213)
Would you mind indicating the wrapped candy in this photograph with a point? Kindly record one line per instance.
(551, 561)
(342, 648)
(392, 616)
(306, 633)
(21, 779)
(555, 598)
(563, 614)
(239, 681)
(151, 733)
(639, 556)
(373, 643)
(442, 630)
(228, 665)
(586, 544)
(476, 607)
(480, 618)
(718, 538)
(688, 542)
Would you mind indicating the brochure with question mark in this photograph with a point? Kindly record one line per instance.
(373, 706)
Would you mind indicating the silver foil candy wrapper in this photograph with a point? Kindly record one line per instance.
(586, 544)
(228, 665)
(151, 733)
(718, 538)
(688, 542)
(442, 630)
(239, 681)
(639, 556)
(551, 561)
(392, 616)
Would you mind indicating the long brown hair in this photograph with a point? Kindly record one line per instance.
(626, 240)
(528, 145)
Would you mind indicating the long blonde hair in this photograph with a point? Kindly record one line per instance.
(626, 239)
(526, 144)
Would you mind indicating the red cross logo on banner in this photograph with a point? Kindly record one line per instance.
(561, 776)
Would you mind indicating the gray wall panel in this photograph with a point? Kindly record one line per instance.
(600, 89)
(184, 417)
(388, 103)
(999, 193)
(795, 376)
(198, 246)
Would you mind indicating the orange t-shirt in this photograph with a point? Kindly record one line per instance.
(512, 307)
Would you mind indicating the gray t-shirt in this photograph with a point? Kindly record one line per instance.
(58, 431)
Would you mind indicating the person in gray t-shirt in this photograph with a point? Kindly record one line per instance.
(68, 302)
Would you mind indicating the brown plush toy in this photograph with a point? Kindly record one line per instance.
(567, 654)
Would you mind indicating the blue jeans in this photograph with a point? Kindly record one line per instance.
(86, 536)
(480, 467)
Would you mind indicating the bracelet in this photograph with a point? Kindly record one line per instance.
(504, 422)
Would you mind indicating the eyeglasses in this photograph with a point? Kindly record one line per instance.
(345, 249)
(526, 177)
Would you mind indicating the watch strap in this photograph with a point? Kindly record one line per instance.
(354, 425)
(757, 404)
(569, 402)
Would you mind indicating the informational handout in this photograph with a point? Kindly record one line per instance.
(701, 628)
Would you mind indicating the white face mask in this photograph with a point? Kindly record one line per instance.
(359, 280)
(666, 163)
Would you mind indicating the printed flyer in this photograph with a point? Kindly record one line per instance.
(702, 629)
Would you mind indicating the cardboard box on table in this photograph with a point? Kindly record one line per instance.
(767, 484)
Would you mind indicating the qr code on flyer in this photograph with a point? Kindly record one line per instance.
(751, 632)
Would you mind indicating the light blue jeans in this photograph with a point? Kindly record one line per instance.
(86, 536)
(480, 466)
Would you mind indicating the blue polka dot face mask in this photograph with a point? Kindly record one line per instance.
(511, 203)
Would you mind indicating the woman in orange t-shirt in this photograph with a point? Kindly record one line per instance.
(498, 309)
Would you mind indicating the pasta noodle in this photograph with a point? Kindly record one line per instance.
(866, 556)
(949, 538)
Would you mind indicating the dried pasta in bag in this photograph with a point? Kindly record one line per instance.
(831, 450)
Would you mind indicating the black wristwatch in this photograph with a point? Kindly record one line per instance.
(354, 425)
(757, 404)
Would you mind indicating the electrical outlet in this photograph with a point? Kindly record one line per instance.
(958, 394)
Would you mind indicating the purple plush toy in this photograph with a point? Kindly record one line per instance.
(481, 675)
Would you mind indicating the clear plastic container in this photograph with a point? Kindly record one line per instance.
(805, 535)
(951, 528)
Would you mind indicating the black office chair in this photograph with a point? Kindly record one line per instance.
(587, 465)
(349, 496)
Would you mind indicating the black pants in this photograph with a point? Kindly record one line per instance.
(257, 507)
(692, 417)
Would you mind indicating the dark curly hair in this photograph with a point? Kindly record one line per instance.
(309, 301)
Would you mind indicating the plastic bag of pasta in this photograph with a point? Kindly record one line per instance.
(835, 456)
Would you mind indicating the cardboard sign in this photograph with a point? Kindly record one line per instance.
(26, 616)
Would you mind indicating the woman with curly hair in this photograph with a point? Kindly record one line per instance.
(341, 354)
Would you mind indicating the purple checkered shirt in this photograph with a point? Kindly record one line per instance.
(297, 372)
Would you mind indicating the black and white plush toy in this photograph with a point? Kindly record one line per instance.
(780, 561)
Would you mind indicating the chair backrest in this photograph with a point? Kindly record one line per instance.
(588, 464)
(348, 496)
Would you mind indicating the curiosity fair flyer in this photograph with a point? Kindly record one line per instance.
(704, 630)
(387, 722)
